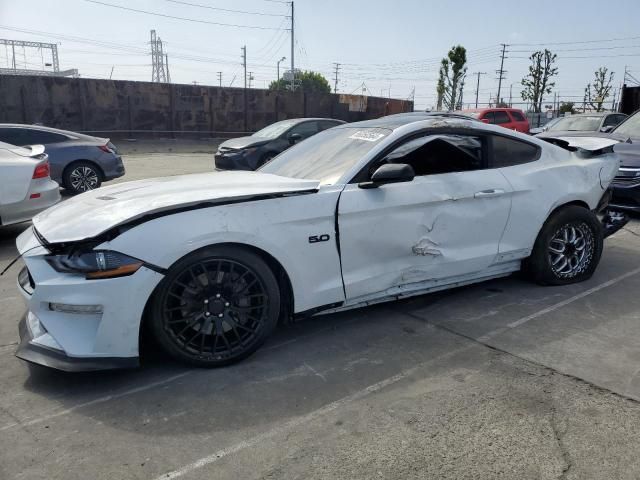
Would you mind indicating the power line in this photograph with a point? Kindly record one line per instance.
(225, 9)
(185, 19)
(573, 43)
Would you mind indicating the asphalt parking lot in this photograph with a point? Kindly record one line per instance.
(503, 379)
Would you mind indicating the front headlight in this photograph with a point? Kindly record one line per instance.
(95, 264)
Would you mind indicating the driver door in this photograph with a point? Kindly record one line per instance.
(445, 223)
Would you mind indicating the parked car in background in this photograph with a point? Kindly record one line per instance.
(78, 162)
(25, 185)
(545, 127)
(511, 118)
(358, 214)
(250, 153)
(587, 122)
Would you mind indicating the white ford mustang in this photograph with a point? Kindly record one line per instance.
(358, 214)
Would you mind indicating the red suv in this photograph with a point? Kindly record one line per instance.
(510, 118)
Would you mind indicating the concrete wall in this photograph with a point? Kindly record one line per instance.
(140, 109)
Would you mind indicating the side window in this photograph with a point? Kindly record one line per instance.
(13, 136)
(436, 154)
(517, 116)
(325, 124)
(501, 117)
(43, 137)
(490, 116)
(305, 130)
(613, 120)
(508, 152)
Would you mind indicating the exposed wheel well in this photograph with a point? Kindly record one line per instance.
(578, 203)
(284, 283)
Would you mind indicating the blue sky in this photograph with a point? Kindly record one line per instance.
(381, 44)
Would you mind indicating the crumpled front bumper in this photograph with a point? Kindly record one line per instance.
(53, 358)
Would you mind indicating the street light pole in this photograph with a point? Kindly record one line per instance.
(278, 77)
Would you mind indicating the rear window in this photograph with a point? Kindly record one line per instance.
(508, 152)
(517, 116)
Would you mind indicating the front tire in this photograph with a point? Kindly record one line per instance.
(568, 248)
(216, 306)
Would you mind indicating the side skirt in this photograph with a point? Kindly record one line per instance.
(429, 286)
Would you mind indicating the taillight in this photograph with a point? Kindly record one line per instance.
(42, 170)
(105, 149)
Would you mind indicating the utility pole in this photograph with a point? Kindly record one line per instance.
(501, 72)
(459, 104)
(244, 64)
(335, 84)
(166, 64)
(293, 66)
(220, 79)
(250, 78)
(478, 84)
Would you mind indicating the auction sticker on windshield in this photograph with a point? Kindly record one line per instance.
(367, 136)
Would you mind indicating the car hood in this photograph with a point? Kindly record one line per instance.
(244, 142)
(92, 213)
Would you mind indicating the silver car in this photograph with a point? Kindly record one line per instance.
(78, 162)
(25, 185)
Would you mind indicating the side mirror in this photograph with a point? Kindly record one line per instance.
(389, 173)
(294, 138)
(606, 129)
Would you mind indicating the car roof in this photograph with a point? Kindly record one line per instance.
(294, 121)
(492, 109)
(75, 135)
(398, 120)
(592, 114)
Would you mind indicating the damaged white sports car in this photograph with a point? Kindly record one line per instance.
(358, 214)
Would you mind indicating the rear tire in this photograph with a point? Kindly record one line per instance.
(568, 248)
(82, 176)
(215, 307)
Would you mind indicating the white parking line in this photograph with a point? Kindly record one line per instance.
(296, 422)
(97, 401)
(544, 311)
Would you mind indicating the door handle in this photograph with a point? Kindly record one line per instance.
(492, 192)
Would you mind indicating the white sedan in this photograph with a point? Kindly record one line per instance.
(361, 213)
(26, 187)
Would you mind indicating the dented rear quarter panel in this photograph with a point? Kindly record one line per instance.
(557, 178)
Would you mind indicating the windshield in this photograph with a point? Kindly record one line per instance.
(577, 124)
(275, 129)
(326, 156)
(630, 127)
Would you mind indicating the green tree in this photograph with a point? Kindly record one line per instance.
(307, 81)
(567, 107)
(597, 92)
(452, 71)
(538, 81)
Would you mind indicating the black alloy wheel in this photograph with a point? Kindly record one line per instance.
(216, 307)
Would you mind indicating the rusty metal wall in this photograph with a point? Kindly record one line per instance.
(142, 109)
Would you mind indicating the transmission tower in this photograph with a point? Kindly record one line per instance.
(14, 66)
(158, 65)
